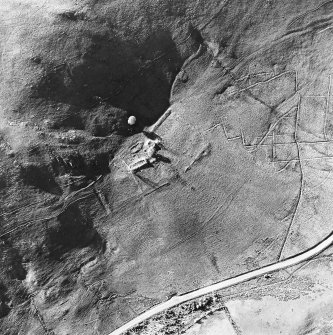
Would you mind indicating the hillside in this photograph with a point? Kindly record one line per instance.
(236, 96)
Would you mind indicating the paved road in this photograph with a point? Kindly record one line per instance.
(176, 300)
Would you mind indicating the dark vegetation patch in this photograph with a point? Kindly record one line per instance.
(36, 60)
(70, 161)
(108, 71)
(3, 182)
(104, 120)
(73, 229)
(71, 16)
(42, 166)
(11, 263)
(39, 176)
(66, 117)
(98, 165)
(82, 162)
(4, 308)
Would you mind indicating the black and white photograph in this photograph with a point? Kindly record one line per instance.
(166, 167)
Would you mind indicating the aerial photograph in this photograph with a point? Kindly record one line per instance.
(166, 167)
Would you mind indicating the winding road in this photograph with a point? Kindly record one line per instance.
(176, 300)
